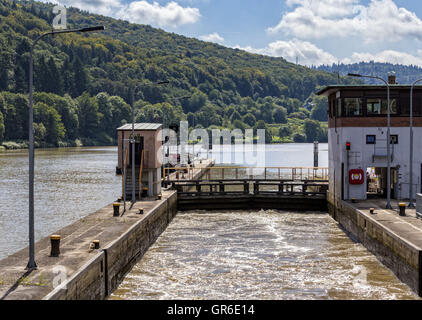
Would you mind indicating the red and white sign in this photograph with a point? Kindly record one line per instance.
(356, 176)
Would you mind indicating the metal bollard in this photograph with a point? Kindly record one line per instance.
(372, 211)
(116, 209)
(141, 211)
(55, 245)
(402, 207)
(159, 196)
(96, 244)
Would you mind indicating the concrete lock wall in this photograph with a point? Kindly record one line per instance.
(101, 275)
(401, 257)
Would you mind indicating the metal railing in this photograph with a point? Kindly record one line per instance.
(281, 188)
(234, 173)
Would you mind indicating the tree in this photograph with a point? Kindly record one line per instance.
(280, 115)
(54, 82)
(4, 79)
(51, 120)
(284, 131)
(319, 111)
(261, 125)
(249, 119)
(80, 78)
(40, 132)
(195, 103)
(299, 138)
(2, 127)
(88, 115)
(312, 130)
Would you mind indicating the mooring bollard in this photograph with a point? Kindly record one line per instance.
(116, 209)
(55, 245)
(141, 211)
(402, 207)
(354, 200)
(159, 196)
(96, 244)
(372, 211)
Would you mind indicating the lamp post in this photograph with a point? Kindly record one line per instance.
(31, 263)
(388, 206)
(411, 145)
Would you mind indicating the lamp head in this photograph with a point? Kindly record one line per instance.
(92, 29)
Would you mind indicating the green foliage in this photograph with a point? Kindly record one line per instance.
(299, 138)
(2, 127)
(49, 123)
(314, 131)
(83, 81)
(320, 109)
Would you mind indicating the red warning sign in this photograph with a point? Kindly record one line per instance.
(356, 176)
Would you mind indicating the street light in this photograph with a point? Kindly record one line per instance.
(388, 133)
(31, 263)
(411, 146)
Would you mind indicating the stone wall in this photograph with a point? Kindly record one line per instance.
(400, 256)
(101, 275)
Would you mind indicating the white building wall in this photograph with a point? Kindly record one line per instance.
(361, 157)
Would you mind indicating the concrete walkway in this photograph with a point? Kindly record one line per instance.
(18, 284)
(408, 228)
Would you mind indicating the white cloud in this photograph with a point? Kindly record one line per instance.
(104, 7)
(379, 21)
(170, 15)
(307, 53)
(213, 37)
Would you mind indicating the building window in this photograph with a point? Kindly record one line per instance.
(394, 138)
(371, 139)
(376, 106)
(353, 107)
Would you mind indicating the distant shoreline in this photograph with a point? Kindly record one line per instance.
(23, 146)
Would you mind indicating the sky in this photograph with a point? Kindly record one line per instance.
(314, 32)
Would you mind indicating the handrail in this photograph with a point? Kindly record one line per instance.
(296, 173)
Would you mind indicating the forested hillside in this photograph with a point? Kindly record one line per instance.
(404, 74)
(83, 82)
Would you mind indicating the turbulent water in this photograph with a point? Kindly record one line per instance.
(258, 255)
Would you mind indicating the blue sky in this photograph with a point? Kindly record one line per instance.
(315, 31)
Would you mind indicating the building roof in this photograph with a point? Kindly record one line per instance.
(331, 89)
(141, 126)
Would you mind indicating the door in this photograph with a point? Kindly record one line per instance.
(139, 146)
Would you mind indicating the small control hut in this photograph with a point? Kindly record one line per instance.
(147, 162)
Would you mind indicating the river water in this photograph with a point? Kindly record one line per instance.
(70, 183)
(263, 255)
